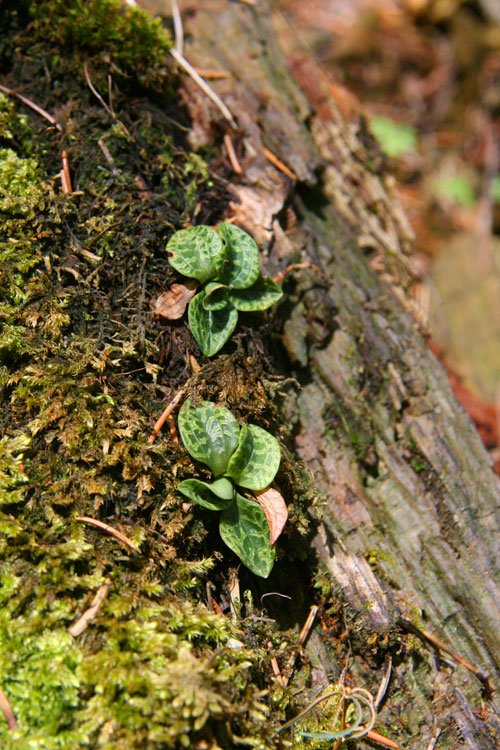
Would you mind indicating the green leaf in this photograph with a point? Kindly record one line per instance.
(395, 138)
(256, 460)
(259, 296)
(216, 496)
(210, 434)
(459, 189)
(211, 328)
(242, 267)
(243, 527)
(197, 252)
(216, 296)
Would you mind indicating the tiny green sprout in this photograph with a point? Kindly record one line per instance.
(238, 456)
(226, 263)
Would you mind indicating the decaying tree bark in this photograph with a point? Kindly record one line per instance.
(411, 525)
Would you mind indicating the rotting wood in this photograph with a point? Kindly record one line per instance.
(411, 524)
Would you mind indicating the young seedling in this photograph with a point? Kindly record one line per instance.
(226, 263)
(239, 456)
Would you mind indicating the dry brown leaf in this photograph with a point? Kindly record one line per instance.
(274, 506)
(172, 303)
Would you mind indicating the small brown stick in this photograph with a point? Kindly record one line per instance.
(166, 413)
(94, 90)
(108, 109)
(110, 530)
(172, 428)
(279, 164)
(82, 623)
(384, 683)
(65, 174)
(302, 637)
(110, 95)
(8, 712)
(425, 634)
(178, 30)
(32, 105)
(276, 669)
(213, 74)
(385, 741)
(433, 742)
(232, 154)
(342, 725)
(204, 87)
(107, 155)
(295, 267)
(233, 587)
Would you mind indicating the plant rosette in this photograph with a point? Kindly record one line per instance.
(226, 263)
(239, 456)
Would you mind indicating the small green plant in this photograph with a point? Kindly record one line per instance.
(395, 138)
(226, 263)
(244, 455)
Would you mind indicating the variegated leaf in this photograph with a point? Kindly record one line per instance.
(259, 296)
(211, 328)
(209, 433)
(216, 496)
(256, 460)
(242, 268)
(243, 527)
(197, 252)
(216, 296)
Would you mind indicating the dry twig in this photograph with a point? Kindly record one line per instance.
(110, 530)
(204, 87)
(302, 637)
(232, 154)
(166, 413)
(32, 105)
(82, 623)
(107, 107)
(275, 667)
(437, 643)
(279, 164)
(178, 30)
(214, 74)
(7, 711)
(65, 175)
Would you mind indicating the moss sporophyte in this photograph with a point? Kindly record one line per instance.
(226, 263)
(238, 455)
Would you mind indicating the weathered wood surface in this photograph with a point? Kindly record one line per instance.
(411, 525)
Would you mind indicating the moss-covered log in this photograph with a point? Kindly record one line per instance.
(394, 520)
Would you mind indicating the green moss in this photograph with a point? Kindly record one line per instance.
(123, 38)
(14, 127)
(85, 368)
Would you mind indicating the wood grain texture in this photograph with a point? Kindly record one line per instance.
(411, 522)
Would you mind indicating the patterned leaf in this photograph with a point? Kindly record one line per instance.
(256, 460)
(259, 296)
(214, 496)
(242, 268)
(216, 296)
(243, 527)
(211, 328)
(197, 252)
(209, 433)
